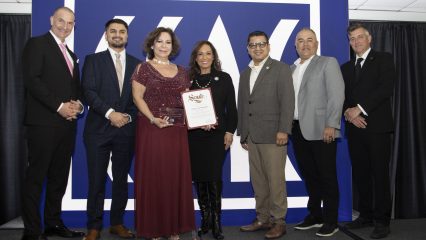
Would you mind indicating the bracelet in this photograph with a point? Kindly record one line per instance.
(151, 120)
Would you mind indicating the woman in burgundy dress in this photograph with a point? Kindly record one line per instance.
(163, 188)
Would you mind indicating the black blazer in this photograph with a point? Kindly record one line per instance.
(48, 81)
(102, 92)
(223, 94)
(373, 91)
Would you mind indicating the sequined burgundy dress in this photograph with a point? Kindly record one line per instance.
(163, 188)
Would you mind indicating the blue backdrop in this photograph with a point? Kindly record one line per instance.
(226, 23)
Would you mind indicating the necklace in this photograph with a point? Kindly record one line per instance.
(161, 62)
(196, 82)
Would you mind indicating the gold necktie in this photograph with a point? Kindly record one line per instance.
(119, 70)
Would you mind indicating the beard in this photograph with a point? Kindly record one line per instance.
(118, 45)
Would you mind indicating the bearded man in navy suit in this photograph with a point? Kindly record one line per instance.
(110, 128)
(52, 84)
(369, 83)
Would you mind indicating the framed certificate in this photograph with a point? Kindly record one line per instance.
(199, 108)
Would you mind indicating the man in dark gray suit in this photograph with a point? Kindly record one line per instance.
(320, 92)
(109, 129)
(265, 113)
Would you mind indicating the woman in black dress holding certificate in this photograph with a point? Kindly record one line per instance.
(208, 145)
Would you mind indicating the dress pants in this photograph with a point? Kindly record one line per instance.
(49, 158)
(99, 148)
(267, 172)
(317, 164)
(370, 156)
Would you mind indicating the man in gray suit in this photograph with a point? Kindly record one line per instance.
(319, 91)
(265, 114)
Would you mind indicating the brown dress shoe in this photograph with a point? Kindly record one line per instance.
(92, 234)
(276, 231)
(255, 226)
(121, 231)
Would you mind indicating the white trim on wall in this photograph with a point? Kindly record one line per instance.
(387, 16)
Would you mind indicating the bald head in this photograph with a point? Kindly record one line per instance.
(62, 22)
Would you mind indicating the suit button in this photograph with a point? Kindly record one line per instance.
(249, 114)
(249, 102)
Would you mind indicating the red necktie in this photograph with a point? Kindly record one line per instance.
(64, 52)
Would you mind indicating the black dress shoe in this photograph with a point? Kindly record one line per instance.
(34, 237)
(360, 222)
(62, 231)
(380, 231)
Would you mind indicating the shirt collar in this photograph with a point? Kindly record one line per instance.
(297, 62)
(113, 52)
(58, 41)
(364, 55)
(251, 64)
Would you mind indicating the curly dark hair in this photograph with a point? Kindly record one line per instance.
(194, 68)
(154, 35)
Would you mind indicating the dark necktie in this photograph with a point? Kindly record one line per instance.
(358, 69)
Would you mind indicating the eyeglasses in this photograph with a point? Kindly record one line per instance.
(254, 45)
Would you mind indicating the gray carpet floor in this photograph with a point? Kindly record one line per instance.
(412, 229)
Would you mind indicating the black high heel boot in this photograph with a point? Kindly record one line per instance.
(204, 203)
(215, 192)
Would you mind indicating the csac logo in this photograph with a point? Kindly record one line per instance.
(196, 98)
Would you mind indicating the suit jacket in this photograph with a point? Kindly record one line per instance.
(269, 108)
(102, 92)
(321, 96)
(48, 81)
(373, 91)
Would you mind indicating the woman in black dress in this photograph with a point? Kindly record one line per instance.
(208, 145)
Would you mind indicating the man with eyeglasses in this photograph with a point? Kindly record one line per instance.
(265, 113)
(369, 83)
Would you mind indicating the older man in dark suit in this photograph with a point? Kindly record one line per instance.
(369, 83)
(110, 127)
(52, 82)
(265, 115)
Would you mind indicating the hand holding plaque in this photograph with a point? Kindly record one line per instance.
(199, 108)
(176, 116)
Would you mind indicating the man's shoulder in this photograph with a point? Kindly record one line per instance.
(41, 38)
(277, 64)
(380, 55)
(132, 59)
